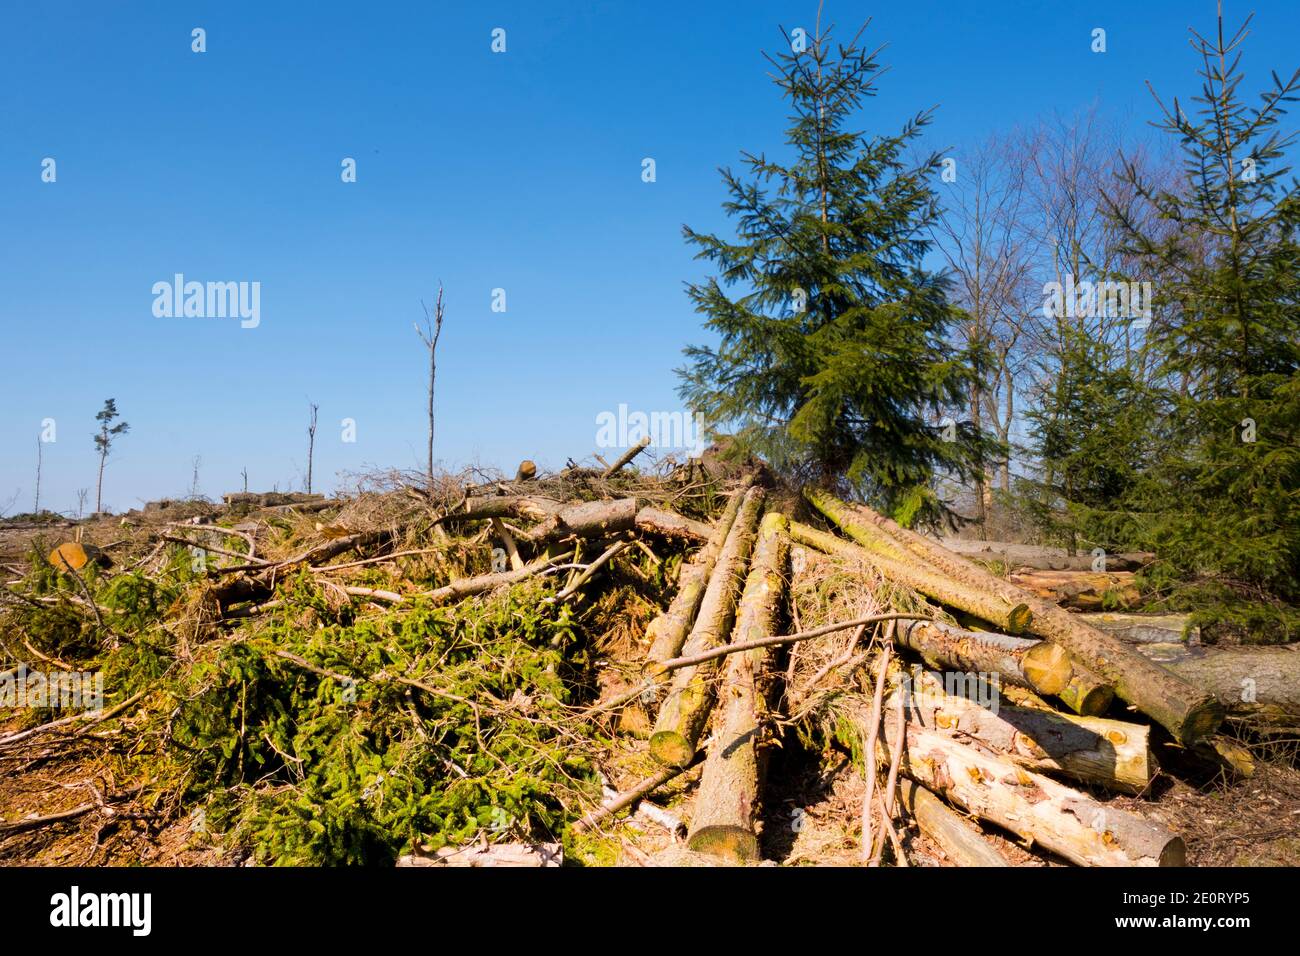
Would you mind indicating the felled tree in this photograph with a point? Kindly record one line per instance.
(1221, 495)
(834, 358)
(104, 441)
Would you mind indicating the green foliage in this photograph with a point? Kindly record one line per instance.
(834, 359)
(330, 759)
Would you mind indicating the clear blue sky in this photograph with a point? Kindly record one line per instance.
(519, 171)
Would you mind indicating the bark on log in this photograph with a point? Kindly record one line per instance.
(726, 805)
(1184, 710)
(686, 705)
(626, 457)
(1111, 753)
(495, 854)
(1258, 686)
(1011, 555)
(1081, 590)
(1033, 806)
(1146, 628)
(586, 520)
(962, 843)
(1037, 665)
(466, 587)
(674, 527)
(667, 632)
(1006, 615)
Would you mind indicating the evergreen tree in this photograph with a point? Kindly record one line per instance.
(835, 358)
(1221, 498)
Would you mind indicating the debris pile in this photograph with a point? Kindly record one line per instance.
(594, 666)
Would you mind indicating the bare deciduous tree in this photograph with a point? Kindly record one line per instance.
(429, 335)
(311, 442)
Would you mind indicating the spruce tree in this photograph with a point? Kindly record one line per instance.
(1220, 500)
(834, 357)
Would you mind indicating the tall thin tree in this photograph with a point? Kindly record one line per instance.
(311, 442)
(429, 335)
(104, 441)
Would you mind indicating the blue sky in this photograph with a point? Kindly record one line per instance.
(519, 171)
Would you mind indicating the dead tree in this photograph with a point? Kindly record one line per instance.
(429, 335)
(311, 443)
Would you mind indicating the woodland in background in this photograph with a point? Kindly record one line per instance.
(955, 394)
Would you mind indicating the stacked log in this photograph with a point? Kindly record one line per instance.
(1081, 590)
(1109, 753)
(726, 808)
(667, 632)
(689, 698)
(1187, 712)
(1031, 805)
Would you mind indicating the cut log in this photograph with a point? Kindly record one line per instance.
(959, 840)
(689, 698)
(1086, 693)
(726, 805)
(1146, 628)
(1033, 806)
(485, 854)
(667, 632)
(586, 520)
(1110, 753)
(611, 805)
(1184, 710)
(1037, 665)
(674, 527)
(466, 587)
(1011, 555)
(1258, 686)
(1005, 615)
(627, 456)
(1081, 590)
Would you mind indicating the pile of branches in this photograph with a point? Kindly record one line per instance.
(490, 671)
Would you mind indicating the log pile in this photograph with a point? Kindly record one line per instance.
(980, 707)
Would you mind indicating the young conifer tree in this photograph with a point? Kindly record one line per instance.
(834, 357)
(1221, 499)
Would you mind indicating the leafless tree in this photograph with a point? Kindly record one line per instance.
(429, 335)
(311, 442)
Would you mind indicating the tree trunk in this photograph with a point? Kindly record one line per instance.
(726, 806)
(1081, 590)
(1110, 753)
(667, 632)
(674, 527)
(1185, 711)
(1008, 616)
(1258, 686)
(960, 841)
(1146, 628)
(1038, 665)
(1036, 808)
(690, 695)
(586, 520)
(1014, 556)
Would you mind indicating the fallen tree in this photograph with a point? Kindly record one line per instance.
(1081, 590)
(1185, 711)
(667, 632)
(726, 806)
(1257, 686)
(1109, 753)
(1010, 616)
(689, 697)
(1033, 806)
